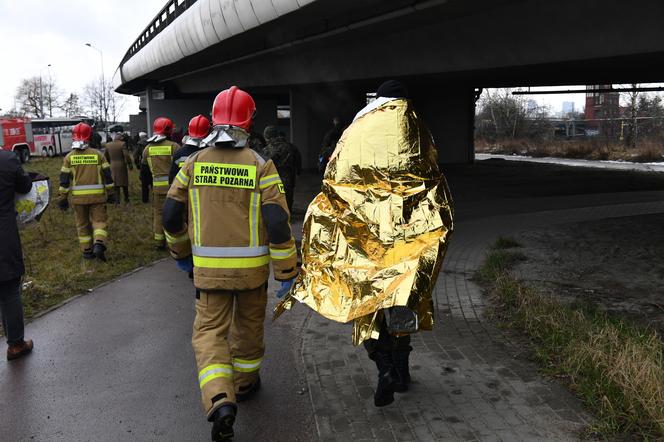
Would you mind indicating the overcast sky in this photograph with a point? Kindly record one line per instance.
(36, 33)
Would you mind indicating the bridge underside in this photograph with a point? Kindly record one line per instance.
(442, 50)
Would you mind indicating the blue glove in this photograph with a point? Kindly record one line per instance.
(285, 288)
(185, 264)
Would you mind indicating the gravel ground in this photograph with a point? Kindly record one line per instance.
(615, 263)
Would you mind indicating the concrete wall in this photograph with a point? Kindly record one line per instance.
(180, 111)
(312, 111)
(448, 111)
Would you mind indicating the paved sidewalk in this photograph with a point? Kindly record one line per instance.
(470, 382)
(117, 364)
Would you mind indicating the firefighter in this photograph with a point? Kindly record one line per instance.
(239, 223)
(199, 128)
(86, 176)
(155, 165)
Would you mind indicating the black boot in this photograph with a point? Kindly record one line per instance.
(99, 251)
(400, 359)
(246, 392)
(386, 378)
(88, 254)
(222, 423)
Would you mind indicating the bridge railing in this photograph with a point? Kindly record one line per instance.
(165, 17)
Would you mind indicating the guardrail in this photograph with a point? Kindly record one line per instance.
(165, 17)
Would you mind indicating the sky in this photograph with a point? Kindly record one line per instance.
(36, 33)
(555, 101)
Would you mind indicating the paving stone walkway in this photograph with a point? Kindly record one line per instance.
(470, 382)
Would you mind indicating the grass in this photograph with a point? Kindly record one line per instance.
(615, 367)
(55, 270)
(589, 149)
(500, 259)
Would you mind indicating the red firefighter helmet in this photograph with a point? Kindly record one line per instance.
(233, 107)
(199, 127)
(82, 132)
(162, 126)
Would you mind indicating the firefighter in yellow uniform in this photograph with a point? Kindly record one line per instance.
(155, 166)
(238, 224)
(85, 177)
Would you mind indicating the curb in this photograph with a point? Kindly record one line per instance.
(91, 290)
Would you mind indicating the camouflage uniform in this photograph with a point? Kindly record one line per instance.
(286, 158)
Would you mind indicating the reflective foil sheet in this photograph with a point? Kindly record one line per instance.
(31, 206)
(376, 235)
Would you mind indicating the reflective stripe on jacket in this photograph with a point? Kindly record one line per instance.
(227, 191)
(159, 157)
(86, 176)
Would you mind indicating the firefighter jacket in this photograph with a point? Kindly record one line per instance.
(238, 219)
(179, 159)
(156, 164)
(86, 176)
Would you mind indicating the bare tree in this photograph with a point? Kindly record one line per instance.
(37, 96)
(71, 106)
(102, 103)
(632, 101)
(510, 116)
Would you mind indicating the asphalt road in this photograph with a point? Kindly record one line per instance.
(117, 365)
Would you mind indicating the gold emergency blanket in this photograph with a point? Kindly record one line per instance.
(376, 235)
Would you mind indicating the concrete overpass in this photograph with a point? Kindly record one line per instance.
(321, 57)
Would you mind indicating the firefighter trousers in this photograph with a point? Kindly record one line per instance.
(228, 343)
(158, 201)
(91, 224)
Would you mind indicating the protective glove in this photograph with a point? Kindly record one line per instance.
(285, 288)
(185, 264)
(110, 199)
(63, 204)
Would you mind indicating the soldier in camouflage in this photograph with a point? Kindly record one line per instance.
(285, 157)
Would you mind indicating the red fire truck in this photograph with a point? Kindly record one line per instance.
(46, 138)
(16, 136)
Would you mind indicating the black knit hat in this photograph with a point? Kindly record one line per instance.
(392, 89)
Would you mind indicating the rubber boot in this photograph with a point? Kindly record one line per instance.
(222, 423)
(386, 378)
(400, 360)
(99, 251)
(88, 254)
(248, 391)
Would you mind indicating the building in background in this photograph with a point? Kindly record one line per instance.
(602, 111)
(568, 108)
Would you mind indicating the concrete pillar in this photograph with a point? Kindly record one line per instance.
(266, 112)
(312, 110)
(449, 112)
(179, 110)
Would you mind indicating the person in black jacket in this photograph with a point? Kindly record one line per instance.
(13, 180)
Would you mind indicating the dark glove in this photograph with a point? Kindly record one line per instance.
(185, 264)
(63, 204)
(110, 199)
(285, 288)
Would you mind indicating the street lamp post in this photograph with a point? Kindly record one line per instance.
(41, 91)
(103, 81)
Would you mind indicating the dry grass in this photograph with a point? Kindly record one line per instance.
(617, 368)
(589, 149)
(55, 269)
